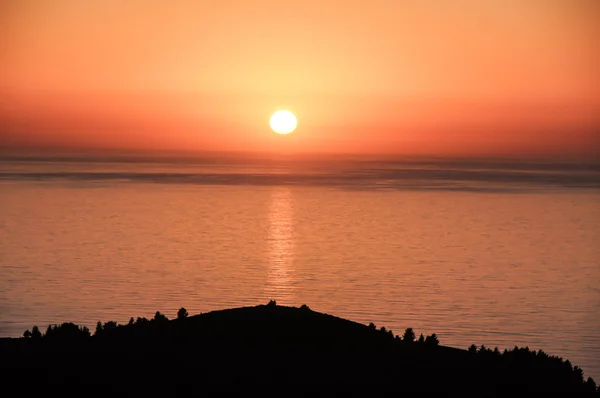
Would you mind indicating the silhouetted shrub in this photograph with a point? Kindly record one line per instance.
(182, 313)
(432, 340)
(304, 307)
(409, 335)
(272, 303)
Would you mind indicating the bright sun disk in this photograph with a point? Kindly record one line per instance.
(283, 122)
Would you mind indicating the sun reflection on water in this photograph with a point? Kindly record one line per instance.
(280, 275)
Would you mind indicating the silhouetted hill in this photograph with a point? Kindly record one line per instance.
(269, 348)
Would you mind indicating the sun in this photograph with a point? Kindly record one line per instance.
(283, 122)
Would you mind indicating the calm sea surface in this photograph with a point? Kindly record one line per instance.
(495, 254)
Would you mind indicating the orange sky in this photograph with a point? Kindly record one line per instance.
(401, 76)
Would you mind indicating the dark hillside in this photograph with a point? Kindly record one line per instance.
(269, 347)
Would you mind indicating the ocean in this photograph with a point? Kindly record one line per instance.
(500, 253)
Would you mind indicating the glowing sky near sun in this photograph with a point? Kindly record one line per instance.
(445, 76)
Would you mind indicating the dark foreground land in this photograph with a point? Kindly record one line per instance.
(268, 348)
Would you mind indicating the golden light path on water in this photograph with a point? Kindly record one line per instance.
(280, 272)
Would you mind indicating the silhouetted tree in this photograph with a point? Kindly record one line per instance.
(541, 354)
(66, 332)
(158, 317)
(182, 313)
(591, 385)
(98, 330)
(409, 335)
(421, 339)
(131, 321)
(110, 325)
(85, 332)
(372, 326)
(382, 329)
(27, 334)
(49, 331)
(272, 303)
(36, 334)
(473, 349)
(432, 340)
(578, 373)
(304, 307)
